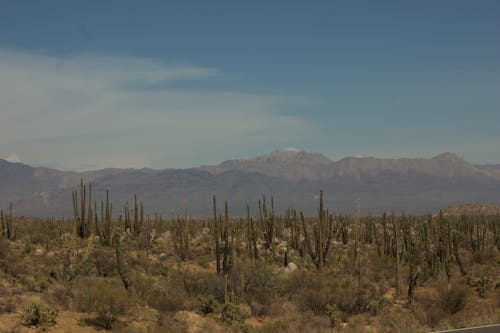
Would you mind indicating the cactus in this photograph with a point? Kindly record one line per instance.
(106, 216)
(120, 264)
(456, 253)
(413, 260)
(228, 258)
(322, 233)
(82, 218)
(4, 231)
(267, 223)
(216, 232)
(180, 238)
(8, 231)
(395, 228)
(126, 213)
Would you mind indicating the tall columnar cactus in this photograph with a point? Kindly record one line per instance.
(82, 218)
(181, 238)
(253, 236)
(496, 233)
(106, 216)
(4, 231)
(322, 234)
(138, 217)
(456, 252)
(267, 223)
(216, 231)
(120, 262)
(8, 231)
(228, 239)
(413, 259)
(128, 225)
(395, 228)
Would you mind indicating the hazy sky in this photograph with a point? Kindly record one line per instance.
(162, 84)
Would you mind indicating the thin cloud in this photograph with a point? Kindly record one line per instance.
(103, 111)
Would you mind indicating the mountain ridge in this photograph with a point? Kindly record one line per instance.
(293, 176)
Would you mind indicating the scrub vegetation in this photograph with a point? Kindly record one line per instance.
(126, 271)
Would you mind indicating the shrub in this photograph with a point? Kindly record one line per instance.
(208, 304)
(36, 314)
(8, 305)
(168, 324)
(334, 316)
(196, 284)
(106, 300)
(232, 315)
(453, 299)
(167, 295)
(379, 305)
(59, 295)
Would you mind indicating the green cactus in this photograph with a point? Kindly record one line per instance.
(322, 233)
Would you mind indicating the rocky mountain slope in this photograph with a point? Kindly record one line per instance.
(415, 185)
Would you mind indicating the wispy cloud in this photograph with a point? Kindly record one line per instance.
(92, 111)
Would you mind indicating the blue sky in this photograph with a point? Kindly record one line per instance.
(176, 84)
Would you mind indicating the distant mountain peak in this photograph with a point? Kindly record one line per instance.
(290, 155)
(447, 156)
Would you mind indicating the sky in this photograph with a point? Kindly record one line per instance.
(93, 84)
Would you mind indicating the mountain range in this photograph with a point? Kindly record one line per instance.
(293, 177)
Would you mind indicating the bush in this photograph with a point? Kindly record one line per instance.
(232, 315)
(106, 300)
(35, 315)
(453, 299)
(201, 283)
(167, 295)
(208, 304)
(8, 305)
(59, 295)
(334, 316)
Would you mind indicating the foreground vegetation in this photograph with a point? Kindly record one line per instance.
(261, 273)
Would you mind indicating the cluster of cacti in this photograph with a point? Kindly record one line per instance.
(82, 213)
(322, 235)
(418, 248)
(267, 224)
(181, 237)
(134, 226)
(224, 238)
(8, 231)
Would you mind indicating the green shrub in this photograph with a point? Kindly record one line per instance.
(334, 316)
(107, 300)
(232, 315)
(167, 295)
(36, 314)
(208, 304)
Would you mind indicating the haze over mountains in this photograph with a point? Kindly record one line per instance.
(293, 177)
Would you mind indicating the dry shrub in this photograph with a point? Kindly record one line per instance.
(37, 315)
(260, 286)
(431, 316)
(404, 323)
(168, 295)
(4, 248)
(201, 283)
(298, 323)
(168, 324)
(105, 299)
(104, 262)
(319, 290)
(453, 299)
(8, 304)
(59, 295)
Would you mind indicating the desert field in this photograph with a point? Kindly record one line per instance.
(264, 272)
